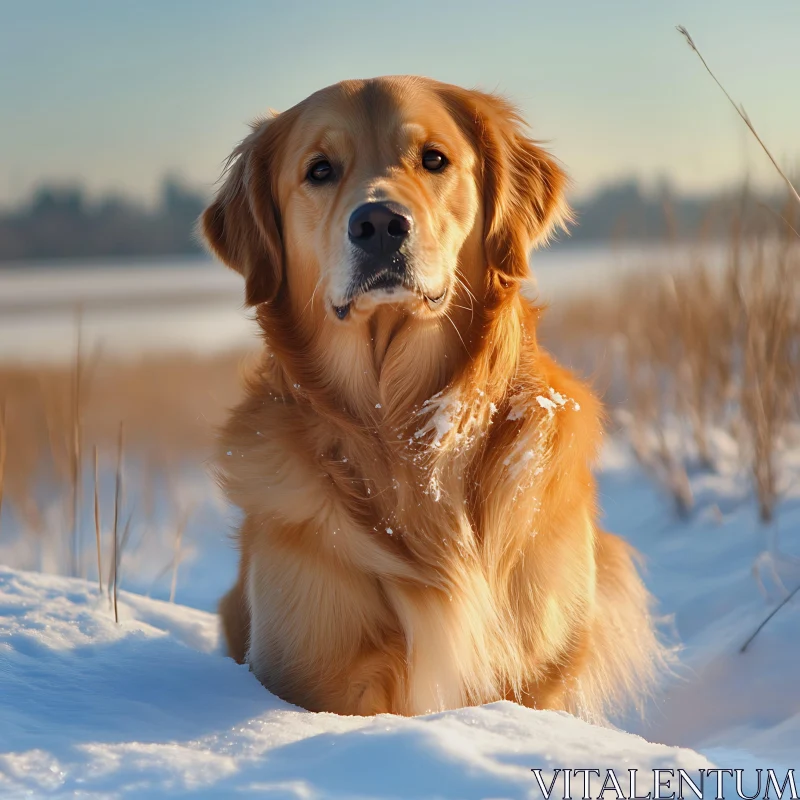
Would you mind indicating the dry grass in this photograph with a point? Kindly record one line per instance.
(169, 406)
(115, 553)
(699, 348)
(3, 451)
(176, 560)
(770, 342)
(54, 419)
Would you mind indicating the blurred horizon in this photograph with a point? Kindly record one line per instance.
(114, 97)
(62, 222)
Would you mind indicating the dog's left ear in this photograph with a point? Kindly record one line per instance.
(523, 185)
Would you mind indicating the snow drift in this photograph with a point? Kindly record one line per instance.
(150, 708)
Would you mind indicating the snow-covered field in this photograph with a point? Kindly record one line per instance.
(716, 578)
(194, 304)
(150, 708)
(190, 305)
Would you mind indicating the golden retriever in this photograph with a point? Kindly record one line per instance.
(420, 519)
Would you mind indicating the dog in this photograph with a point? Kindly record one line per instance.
(420, 523)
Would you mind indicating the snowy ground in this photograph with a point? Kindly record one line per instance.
(716, 577)
(190, 305)
(150, 708)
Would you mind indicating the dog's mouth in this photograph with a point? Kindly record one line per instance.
(385, 279)
(389, 282)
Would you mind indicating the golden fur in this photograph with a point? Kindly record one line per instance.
(420, 520)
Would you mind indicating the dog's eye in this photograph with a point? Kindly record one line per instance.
(433, 161)
(320, 171)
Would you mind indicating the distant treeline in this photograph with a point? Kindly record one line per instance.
(63, 222)
(624, 212)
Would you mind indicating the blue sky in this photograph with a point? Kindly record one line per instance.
(115, 94)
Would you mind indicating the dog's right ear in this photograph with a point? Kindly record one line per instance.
(242, 224)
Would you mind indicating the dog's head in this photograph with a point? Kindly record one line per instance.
(389, 191)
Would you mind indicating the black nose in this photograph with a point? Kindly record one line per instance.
(379, 228)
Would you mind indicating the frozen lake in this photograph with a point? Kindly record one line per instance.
(194, 305)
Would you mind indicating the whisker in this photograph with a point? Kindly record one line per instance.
(466, 288)
(313, 295)
(470, 297)
(455, 328)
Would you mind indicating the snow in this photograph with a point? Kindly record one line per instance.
(189, 305)
(740, 708)
(442, 411)
(150, 708)
(518, 407)
(546, 403)
(186, 498)
(554, 401)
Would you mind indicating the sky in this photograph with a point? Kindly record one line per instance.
(115, 94)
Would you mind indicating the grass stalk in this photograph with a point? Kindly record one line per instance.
(97, 521)
(769, 617)
(740, 111)
(3, 452)
(117, 504)
(75, 452)
(177, 556)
